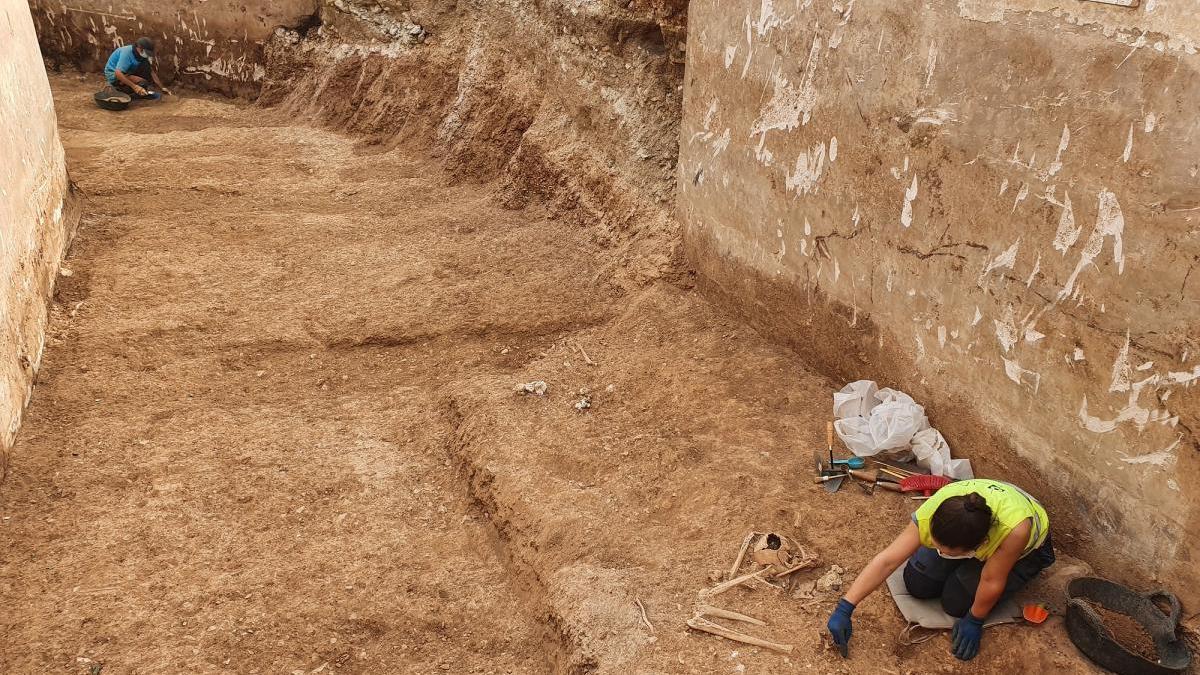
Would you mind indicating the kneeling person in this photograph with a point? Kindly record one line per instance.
(974, 543)
(130, 69)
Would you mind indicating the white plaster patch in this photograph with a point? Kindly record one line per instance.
(839, 30)
(1121, 372)
(809, 167)
(1184, 377)
(1037, 267)
(978, 317)
(1128, 145)
(1063, 142)
(934, 116)
(790, 107)
(1068, 231)
(1110, 222)
(1003, 187)
(1006, 329)
(768, 19)
(1022, 195)
(1150, 122)
(710, 113)
(906, 212)
(1022, 376)
(931, 63)
(730, 55)
(1005, 260)
(1160, 458)
(1078, 355)
(985, 11)
(833, 149)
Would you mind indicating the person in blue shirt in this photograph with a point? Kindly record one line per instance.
(131, 68)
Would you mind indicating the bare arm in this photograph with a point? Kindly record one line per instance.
(161, 87)
(995, 571)
(884, 563)
(121, 76)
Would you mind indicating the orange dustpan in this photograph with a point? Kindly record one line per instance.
(1035, 613)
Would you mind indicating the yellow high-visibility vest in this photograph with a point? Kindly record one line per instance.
(1010, 506)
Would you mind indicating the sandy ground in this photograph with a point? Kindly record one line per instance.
(275, 432)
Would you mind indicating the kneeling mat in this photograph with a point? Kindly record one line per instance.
(929, 613)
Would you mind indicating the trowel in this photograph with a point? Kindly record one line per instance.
(828, 474)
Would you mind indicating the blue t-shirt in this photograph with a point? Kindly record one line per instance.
(123, 59)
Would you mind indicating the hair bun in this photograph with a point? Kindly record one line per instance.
(975, 502)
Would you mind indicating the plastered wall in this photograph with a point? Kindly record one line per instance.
(35, 213)
(991, 204)
(214, 44)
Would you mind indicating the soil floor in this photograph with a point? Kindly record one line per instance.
(275, 432)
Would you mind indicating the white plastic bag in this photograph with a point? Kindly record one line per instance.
(873, 421)
(894, 424)
(855, 432)
(933, 453)
(855, 400)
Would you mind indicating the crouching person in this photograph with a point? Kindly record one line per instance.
(130, 70)
(973, 544)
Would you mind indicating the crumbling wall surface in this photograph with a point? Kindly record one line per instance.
(993, 205)
(35, 213)
(572, 105)
(208, 44)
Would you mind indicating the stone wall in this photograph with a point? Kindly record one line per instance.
(208, 44)
(991, 204)
(36, 215)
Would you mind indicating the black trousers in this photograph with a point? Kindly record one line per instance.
(142, 70)
(928, 575)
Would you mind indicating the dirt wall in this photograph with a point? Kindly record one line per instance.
(575, 107)
(36, 215)
(209, 44)
(991, 205)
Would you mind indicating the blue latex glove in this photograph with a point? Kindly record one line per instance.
(839, 625)
(964, 639)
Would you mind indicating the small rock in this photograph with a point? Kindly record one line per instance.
(65, 272)
(583, 403)
(536, 388)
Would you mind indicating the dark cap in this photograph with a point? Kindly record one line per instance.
(146, 45)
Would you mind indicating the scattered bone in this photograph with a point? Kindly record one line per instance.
(708, 610)
(741, 556)
(831, 580)
(536, 388)
(645, 618)
(705, 626)
(806, 562)
(586, 359)
(721, 588)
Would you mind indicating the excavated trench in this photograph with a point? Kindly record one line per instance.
(276, 429)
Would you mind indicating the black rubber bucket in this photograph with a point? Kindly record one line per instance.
(1089, 635)
(111, 99)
